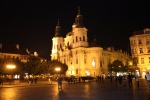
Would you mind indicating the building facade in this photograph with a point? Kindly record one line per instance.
(140, 50)
(83, 58)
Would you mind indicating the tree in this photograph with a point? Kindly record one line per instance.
(51, 65)
(34, 66)
(116, 66)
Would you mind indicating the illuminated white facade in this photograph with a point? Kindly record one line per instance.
(82, 58)
(140, 50)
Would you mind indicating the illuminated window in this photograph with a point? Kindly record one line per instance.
(93, 63)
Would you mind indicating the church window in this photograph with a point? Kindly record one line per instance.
(76, 39)
(76, 61)
(77, 71)
(83, 38)
(93, 63)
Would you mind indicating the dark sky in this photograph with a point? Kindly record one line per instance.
(32, 23)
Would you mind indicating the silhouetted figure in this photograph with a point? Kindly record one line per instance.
(59, 80)
(35, 80)
(120, 80)
(147, 76)
(130, 80)
(137, 80)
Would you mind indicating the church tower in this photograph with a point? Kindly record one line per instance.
(57, 42)
(79, 32)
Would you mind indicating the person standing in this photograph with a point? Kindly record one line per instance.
(147, 76)
(120, 80)
(59, 80)
(137, 80)
(130, 80)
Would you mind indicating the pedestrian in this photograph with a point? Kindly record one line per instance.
(59, 80)
(137, 80)
(130, 80)
(120, 80)
(147, 76)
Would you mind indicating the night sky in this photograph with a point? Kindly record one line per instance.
(31, 24)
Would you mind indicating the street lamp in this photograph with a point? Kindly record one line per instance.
(11, 67)
(57, 69)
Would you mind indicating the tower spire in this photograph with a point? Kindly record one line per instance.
(79, 19)
(58, 30)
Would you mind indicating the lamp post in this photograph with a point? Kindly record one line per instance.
(57, 69)
(11, 67)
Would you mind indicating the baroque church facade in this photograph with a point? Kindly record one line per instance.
(83, 58)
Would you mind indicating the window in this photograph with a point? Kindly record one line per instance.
(77, 71)
(76, 39)
(76, 61)
(93, 63)
(142, 60)
(148, 49)
(141, 50)
(134, 42)
(83, 38)
(140, 41)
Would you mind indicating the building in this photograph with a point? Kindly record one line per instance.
(13, 51)
(140, 50)
(83, 58)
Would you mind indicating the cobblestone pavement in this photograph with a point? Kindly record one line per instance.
(43, 90)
